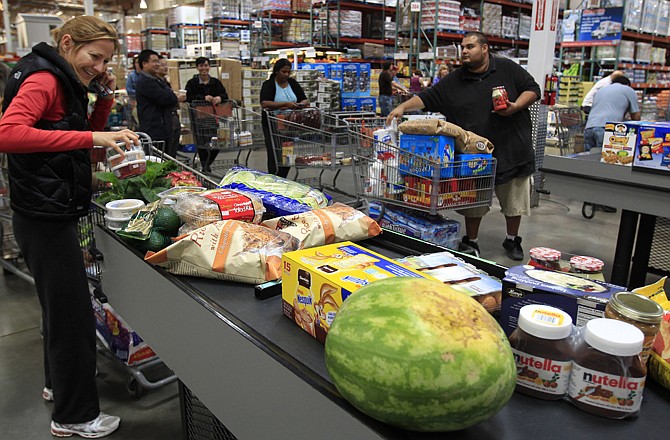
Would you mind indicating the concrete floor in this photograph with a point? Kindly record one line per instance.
(25, 415)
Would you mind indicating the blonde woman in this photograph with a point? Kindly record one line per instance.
(48, 135)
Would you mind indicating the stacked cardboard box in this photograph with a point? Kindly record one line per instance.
(231, 77)
(252, 80)
(328, 96)
(492, 19)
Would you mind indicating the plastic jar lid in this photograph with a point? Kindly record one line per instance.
(545, 322)
(613, 337)
(636, 307)
(544, 254)
(590, 264)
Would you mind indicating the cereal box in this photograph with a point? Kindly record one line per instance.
(316, 281)
(619, 142)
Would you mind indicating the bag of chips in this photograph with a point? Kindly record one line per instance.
(333, 224)
(227, 250)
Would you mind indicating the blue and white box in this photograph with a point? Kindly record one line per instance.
(421, 154)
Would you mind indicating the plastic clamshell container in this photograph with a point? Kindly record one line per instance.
(123, 209)
(130, 169)
(114, 159)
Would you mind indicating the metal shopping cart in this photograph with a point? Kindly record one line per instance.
(393, 175)
(311, 139)
(224, 127)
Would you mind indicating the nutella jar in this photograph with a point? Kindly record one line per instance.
(545, 258)
(639, 311)
(587, 267)
(607, 373)
(542, 351)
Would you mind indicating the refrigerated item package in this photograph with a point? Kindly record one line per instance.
(335, 223)
(227, 250)
(280, 196)
(462, 276)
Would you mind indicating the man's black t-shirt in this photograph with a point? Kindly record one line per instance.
(465, 100)
(385, 80)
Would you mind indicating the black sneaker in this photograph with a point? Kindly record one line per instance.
(513, 248)
(468, 247)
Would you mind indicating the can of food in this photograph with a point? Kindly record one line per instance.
(499, 96)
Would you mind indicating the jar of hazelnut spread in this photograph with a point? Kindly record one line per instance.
(608, 375)
(542, 351)
(640, 311)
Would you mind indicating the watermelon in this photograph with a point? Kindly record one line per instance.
(416, 354)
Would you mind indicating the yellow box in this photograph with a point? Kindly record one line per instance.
(316, 281)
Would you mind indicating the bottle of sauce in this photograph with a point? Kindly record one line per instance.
(607, 373)
(542, 351)
(639, 311)
(587, 267)
(545, 258)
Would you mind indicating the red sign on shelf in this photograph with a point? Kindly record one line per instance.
(539, 17)
(554, 15)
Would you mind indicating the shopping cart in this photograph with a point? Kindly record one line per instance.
(396, 176)
(224, 127)
(311, 139)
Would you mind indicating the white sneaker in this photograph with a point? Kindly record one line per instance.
(101, 426)
(48, 394)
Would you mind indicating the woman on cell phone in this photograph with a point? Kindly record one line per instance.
(280, 92)
(48, 136)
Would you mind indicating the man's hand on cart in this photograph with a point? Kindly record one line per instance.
(111, 138)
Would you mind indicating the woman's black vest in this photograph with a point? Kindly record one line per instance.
(56, 185)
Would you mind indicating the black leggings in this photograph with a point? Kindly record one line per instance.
(53, 255)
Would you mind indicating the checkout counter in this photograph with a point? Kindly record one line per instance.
(263, 377)
(641, 197)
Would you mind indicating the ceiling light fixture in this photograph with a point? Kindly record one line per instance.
(143, 4)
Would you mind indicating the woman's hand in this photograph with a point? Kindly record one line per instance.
(110, 138)
(216, 100)
(108, 79)
(291, 105)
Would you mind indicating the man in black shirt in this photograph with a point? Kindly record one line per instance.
(464, 98)
(386, 89)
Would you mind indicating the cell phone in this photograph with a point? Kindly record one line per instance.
(101, 90)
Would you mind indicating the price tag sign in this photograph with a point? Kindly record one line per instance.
(173, 34)
(257, 24)
(415, 7)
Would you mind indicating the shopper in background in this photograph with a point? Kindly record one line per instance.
(155, 100)
(386, 89)
(173, 144)
(204, 87)
(48, 134)
(610, 104)
(280, 92)
(131, 106)
(464, 97)
(606, 81)
(444, 71)
(131, 80)
(415, 84)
